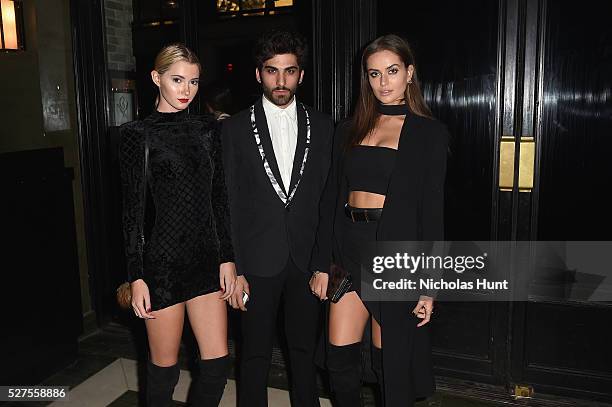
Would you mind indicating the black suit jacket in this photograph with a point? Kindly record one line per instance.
(266, 230)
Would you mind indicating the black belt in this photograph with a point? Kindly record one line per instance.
(361, 214)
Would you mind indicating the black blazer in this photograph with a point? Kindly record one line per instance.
(413, 211)
(414, 203)
(266, 230)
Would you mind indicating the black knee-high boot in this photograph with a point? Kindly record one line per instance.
(160, 384)
(377, 367)
(344, 366)
(208, 388)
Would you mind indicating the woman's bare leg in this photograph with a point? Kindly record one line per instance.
(164, 333)
(347, 320)
(376, 334)
(208, 318)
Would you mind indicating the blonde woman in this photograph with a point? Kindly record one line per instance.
(186, 264)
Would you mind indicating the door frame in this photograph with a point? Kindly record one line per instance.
(93, 107)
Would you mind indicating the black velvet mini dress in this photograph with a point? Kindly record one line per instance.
(189, 235)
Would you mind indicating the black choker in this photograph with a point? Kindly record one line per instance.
(392, 110)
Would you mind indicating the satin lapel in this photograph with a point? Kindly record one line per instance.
(300, 146)
(266, 142)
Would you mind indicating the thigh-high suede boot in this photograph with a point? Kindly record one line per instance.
(344, 367)
(207, 389)
(160, 385)
(377, 367)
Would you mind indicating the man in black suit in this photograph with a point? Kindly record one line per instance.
(277, 159)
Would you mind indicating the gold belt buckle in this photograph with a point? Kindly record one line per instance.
(366, 216)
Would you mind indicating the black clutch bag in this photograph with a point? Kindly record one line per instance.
(339, 283)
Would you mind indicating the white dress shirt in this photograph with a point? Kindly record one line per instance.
(283, 128)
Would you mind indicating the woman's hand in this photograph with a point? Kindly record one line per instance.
(141, 301)
(227, 279)
(424, 309)
(318, 284)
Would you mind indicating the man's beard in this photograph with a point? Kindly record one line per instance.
(279, 100)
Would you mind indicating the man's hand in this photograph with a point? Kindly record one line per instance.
(235, 300)
(423, 309)
(318, 284)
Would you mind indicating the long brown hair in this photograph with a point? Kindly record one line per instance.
(366, 116)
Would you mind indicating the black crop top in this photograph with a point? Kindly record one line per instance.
(368, 168)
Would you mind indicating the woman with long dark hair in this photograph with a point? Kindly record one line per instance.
(186, 264)
(389, 170)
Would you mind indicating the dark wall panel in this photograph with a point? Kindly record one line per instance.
(566, 340)
(576, 123)
(41, 289)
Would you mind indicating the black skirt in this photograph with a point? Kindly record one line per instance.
(356, 237)
(407, 362)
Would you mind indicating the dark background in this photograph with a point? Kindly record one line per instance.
(527, 71)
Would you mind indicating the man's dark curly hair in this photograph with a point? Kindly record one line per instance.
(274, 43)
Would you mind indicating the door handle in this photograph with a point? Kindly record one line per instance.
(506, 163)
(526, 163)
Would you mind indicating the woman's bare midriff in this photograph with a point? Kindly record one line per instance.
(367, 200)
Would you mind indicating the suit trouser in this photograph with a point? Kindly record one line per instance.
(302, 312)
